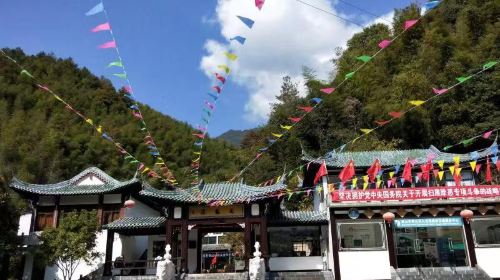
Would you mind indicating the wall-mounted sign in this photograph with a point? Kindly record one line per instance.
(204, 212)
(428, 222)
(416, 193)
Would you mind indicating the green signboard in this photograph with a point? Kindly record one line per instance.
(428, 222)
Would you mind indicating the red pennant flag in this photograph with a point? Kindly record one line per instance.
(458, 179)
(498, 165)
(327, 90)
(407, 171)
(426, 168)
(395, 114)
(478, 168)
(217, 89)
(410, 23)
(294, 119)
(393, 180)
(488, 170)
(199, 135)
(439, 91)
(436, 174)
(127, 89)
(220, 78)
(381, 123)
(347, 172)
(374, 170)
(214, 260)
(322, 171)
(306, 109)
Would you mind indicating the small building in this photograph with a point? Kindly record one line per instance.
(380, 229)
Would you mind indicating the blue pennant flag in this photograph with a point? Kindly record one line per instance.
(105, 136)
(263, 149)
(271, 141)
(431, 5)
(494, 149)
(316, 100)
(396, 169)
(474, 155)
(134, 107)
(97, 9)
(248, 22)
(494, 159)
(215, 97)
(198, 143)
(239, 39)
(154, 153)
(402, 180)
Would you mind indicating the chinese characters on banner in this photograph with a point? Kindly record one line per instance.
(416, 193)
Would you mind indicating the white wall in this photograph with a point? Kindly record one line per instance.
(295, 263)
(140, 210)
(488, 260)
(24, 224)
(360, 265)
(112, 198)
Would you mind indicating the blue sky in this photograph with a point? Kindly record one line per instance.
(163, 42)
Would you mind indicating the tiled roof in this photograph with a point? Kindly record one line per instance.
(71, 186)
(299, 217)
(394, 157)
(227, 192)
(136, 223)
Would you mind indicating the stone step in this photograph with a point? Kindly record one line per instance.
(298, 275)
(441, 273)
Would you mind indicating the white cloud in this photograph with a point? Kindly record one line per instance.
(286, 36)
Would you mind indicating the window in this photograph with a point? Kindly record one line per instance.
(44, 220)
(109, 216)
(210, 240)
(486, 231)
(361, 235)
(158, 248)
(301, 241)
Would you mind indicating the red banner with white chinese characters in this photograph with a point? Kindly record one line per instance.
(416, 193)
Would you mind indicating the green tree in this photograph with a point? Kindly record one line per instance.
(71, 242)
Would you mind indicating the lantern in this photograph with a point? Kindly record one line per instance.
(388, 217)
(129, 203)
(467, 215)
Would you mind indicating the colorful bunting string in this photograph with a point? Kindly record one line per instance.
(129, 92)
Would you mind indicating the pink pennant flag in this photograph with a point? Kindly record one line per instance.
(199, 135)
(478, 168)
(384, 43)
(306, 109)
(101, 27)
(294, 120)
(138, 115)
(381, 123)
(259, 4)
(410, 23)
(395, 114)
(210, 105)
(108, 45)
(220, 78)
(327, 90)
(439, 91)
(202, 128)
(43, 87)
(217, 89)
(127, 89)
(487, 135)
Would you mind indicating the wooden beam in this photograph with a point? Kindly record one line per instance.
(390, 245)
(109, 253)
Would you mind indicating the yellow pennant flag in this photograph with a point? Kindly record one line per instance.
(452, 170)
(441, 164)
(99, 129)
(197, 153)
(224, 67)
(287, 127)
(331, 188)
(378, 183)
(146, 169)
(391, 174)
(458, 169)
(320, 189)
(440, 175)
(456, 159)
(473, 165)
(366, 130)
(196, 159)
(277, 135)
(57, 97)
(231, 56)
(417, 102)
(89, 121)
(365, 182)
(354, 182)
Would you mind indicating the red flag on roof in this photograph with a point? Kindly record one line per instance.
(374, 170)
(426, 168)
(488, 170)
(407, 171)
(322, 171)
(347, 173)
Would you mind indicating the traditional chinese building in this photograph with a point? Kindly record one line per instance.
(405, 223)
(138, 221)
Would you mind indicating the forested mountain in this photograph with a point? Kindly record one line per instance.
(233, 136)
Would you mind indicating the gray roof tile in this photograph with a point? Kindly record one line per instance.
(136, 223)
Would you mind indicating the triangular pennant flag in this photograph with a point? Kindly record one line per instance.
(441, 173)
(349, 75)
(489, 64)
(108, 45)
(467, 142)
(487, 134)
(43, 87)
(378, 183)
(463, 79)
(306, 109)
(366, 130)
(436, 173)
(209, 105)
(439, 91)
(381, 123)
(364, 58)
(441, 164)
(248, 22)
(272, 141)
(431, 5)
(220, 78)
(231, 56)
(316, 100)
(259, 4)
(224, 67)
(286, 127)
(396, 168)
(391, 174)
(458, 170)
(327, 90)
(25, 72)
(295, 119)
(478, 168)
(95, 10)
(99, 129)
(277, 135)
(89, 121)
(456, 160)
(416, 102)
(410, 23)
(218, 89)
(384, 44)
(101, 27)
(354, 182)
(452, 169)
(389, 183)
(395, 114)
(214, 97)
(116, 63)
(497, 163)
(121, 76)
(238, 39)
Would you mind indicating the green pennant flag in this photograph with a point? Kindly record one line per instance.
(447, 148)
(208, 112)
(364, 58)
(290, 195)
(116, 63)
(25, 72)
(467, 142)
(463, 79)
(122, 76)
(349, 75)
(489, 64)
(134, 161)
(129, 157)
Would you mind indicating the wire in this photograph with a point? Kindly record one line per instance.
(330, 13)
